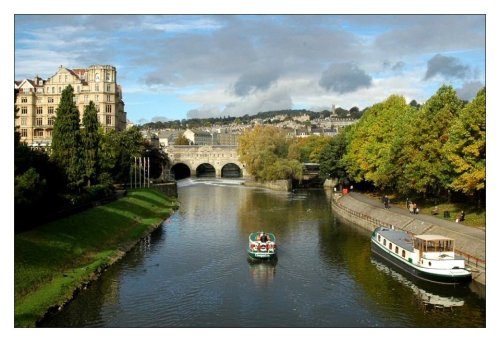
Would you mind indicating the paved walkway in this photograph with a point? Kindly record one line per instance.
(471, 232)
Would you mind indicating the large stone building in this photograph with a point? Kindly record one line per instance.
(37, 101)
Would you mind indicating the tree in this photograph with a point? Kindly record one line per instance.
(331, 164)
(181, 140)
(369, 154)
(466, 148)
(264, 152)
(66, 139)
(90, 142)
(426, 167)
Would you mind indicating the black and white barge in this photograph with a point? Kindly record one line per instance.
(428, 257)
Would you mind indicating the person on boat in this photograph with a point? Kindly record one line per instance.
(263, 238)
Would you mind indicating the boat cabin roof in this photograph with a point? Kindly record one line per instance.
(400, 238)
(433, 238)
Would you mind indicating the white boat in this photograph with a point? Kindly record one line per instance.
(428, 257)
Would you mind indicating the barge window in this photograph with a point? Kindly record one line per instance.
(378, 238)
(390, 246)
(404, 253)
(397, 250)
(384, 242)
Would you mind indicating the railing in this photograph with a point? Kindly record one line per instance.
(469, 259)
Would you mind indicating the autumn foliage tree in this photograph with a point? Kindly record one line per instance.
(264, 152)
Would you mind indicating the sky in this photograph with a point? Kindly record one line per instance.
(174, 67)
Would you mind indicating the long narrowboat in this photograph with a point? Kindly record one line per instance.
(427, 257)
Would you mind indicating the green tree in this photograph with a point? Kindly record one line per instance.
(90, 142)
(330, 158)
(66, 140)
(369, 154)
(466, 148)
(426, 168)
(307, 150)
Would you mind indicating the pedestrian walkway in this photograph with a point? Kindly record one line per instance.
(472, 232)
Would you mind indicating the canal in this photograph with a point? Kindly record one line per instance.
(194, 272)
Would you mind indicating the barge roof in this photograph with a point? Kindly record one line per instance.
(400, 238)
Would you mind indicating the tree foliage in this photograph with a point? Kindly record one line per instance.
(330, 158)
(466, 147)
(308, 149)
(264, 152)
(66, 139)
(90, 143)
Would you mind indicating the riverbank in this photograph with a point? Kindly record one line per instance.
(53, 262)
(278, 185)
(470, 241)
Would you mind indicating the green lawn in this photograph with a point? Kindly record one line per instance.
(474, 216)
(52, 261)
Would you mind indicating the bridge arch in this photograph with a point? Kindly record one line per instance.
(180, 171)
(231, 170)
(205, 170)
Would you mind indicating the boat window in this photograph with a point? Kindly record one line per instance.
(404, 253)
(430, 263)
(397, 250)
(390, 246)
(378, 237)
(384, 242)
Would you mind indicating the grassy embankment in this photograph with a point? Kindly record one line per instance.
(54, 260)
(474, 216)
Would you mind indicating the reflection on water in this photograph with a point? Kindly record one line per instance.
(262, 271)
(428, 295)
(195, 272)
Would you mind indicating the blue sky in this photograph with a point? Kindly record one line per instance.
(187, 66)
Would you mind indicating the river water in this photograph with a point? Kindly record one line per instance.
(194, 272)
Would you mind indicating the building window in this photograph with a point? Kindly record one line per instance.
(97, 87)
(38, 101)
(39, 121)
(50, 110)
(86, 99)
(39, 110)
(24, 133)
(39, 133)
(50, 100)
(108, 76)
(23, 121)
(108, 87)
(108, 98)
(60, 89)
(97, 98)
(24, 100)
(65, 78)
(53, 90)
(108, 108)
(108, 119)
(50, 121)
(24, 110)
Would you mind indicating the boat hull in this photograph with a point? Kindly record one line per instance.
(261, 255)
(419, 273)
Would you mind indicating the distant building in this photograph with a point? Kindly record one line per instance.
(199, 137)
(37, 100)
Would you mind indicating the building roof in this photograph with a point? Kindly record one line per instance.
(428, 237)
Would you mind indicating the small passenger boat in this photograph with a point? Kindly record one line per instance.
(428, 257)
(262, 245)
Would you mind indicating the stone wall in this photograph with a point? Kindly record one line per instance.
(278, 185)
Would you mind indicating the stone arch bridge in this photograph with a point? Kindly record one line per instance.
(204, 161)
